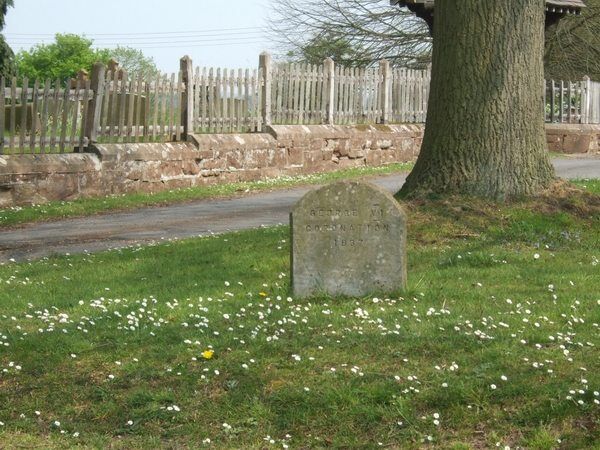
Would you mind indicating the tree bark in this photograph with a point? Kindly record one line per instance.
(485, 131)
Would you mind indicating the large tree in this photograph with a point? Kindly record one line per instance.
(485, 132)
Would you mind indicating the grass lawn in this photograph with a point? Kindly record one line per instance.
(197, 343)
(90, 206)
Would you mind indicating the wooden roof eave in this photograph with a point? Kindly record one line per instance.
(552, 6)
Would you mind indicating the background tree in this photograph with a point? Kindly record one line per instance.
(330, 46)
(135, 62)
(62, 59)
(7, 66)
(485, 133)
(372, 27)
(573, 46)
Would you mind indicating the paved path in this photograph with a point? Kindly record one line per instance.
(198, 218)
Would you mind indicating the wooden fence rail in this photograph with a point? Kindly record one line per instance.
(44, 116)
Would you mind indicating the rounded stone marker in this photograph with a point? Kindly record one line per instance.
(348, 238)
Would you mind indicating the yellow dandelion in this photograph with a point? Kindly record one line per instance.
(208, 354)
(262, 294)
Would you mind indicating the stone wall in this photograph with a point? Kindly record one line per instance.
(573, 139)
(207, 159)
(211, 159)
(35, 179)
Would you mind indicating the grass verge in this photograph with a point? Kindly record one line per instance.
(197, 343)
(90, 206)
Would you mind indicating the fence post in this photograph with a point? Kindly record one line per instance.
(264, 64)
(187, 96)
(95, 107)
(384, 68)
(586, 86)
(329, 69)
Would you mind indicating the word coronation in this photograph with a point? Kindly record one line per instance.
(348, 228)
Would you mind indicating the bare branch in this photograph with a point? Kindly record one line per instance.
(372, 28)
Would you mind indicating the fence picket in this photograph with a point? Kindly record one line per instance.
(84, 114)
(44, 120)
(176, 100)
(64, 123)
(13, 111)
(171, 107)
(105, 105)
(256, 90)
(146, 124)
(198, 88)
(111, 109)
(23, 105)
(34, 110)
(231, 101)
(55, 115)
(75, 109)
(239, 101)
(121, 102)
(128, 99)
(302, 92)
(138, 113)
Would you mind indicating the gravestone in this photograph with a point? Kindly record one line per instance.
(348, 238)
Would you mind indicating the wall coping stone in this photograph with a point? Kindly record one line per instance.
(339, 131)
(554, 128)
(233, 141)
(140, 151)
(62, 163)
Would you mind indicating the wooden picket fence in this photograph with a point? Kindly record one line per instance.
(357, 96)
(564, 101)
(410, 94)
(226, 100)
(298, 94)
(42, 117)
(56, 116)
(138, 110)
(48, 117)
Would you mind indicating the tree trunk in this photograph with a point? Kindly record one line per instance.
(485, 131)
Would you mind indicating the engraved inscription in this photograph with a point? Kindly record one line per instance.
(348, 238)
(348, 242)
(348, 228)
(343, 222)
(334, 212)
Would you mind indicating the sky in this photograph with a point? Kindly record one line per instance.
(214, 33)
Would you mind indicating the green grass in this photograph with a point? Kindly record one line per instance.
(589, 185)
(90, 206)
(118, 336)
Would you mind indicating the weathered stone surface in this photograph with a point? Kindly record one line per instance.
(573, 138)
(348, 238)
